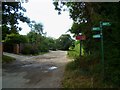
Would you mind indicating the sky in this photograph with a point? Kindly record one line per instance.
(42, 11)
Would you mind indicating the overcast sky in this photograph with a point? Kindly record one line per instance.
(43, 11)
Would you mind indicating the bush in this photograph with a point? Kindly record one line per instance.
(43, 47)
(26, 49)
(16, 39)
(30, 49)
(34, 51)
(71, 66)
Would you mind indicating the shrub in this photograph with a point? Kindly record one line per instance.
(26, 49)
(30, 49)
(43, 47)
(34, 51)
(16, 38)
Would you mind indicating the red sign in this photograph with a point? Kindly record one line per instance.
(81, 37)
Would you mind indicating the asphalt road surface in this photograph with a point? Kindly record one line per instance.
(42, 71)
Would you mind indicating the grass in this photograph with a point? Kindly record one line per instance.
(73, 78)
(76, 76)
(7, 59)
(73, 53)
(83, 72)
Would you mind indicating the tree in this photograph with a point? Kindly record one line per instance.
(81, 14)
(33, 37)
(11, 40)
(64, 42)
(15, 39)
(94, 13)
(51, 43)
(12, 12)
(76, 10)
(37, 27)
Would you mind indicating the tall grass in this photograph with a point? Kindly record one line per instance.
(84, 71)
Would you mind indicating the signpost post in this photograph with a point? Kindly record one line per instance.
(101, 36)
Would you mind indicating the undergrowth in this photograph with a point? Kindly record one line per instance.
(84, 72)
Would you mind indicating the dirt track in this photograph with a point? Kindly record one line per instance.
(43, 71)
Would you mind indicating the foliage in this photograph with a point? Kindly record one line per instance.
(51, 43)
(94, 13)
(11, 13)
(46, 44)
(84, 72)
(74, 52)
(37, 27)
(76, 77)
(36, 33)
(15, 38)
(76, 10)
(64, 42)
(112, 49)
(30, 49)
(36, 36)
(43, 43)
(11, 40)
(33, 37)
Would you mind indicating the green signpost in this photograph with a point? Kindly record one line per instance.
(96, 29)
(106, 24)
(101, 36)
(96, 36)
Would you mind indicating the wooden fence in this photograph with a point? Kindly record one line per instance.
(16, 48)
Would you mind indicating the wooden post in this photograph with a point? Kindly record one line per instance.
(1, 48)
(16, 48)
(80, 48)
(1, 53)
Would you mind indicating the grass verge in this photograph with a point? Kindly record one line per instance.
(73, 78)
(84, 72)
(77, 77)
(7, 59)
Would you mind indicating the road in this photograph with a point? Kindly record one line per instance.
(42, 71)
